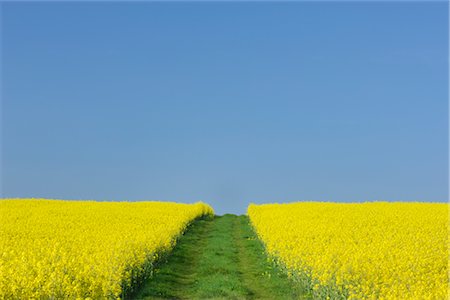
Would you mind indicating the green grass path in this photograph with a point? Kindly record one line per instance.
(219, 259)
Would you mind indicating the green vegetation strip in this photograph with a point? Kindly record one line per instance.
(220, 259)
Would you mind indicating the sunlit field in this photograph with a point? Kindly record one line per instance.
(78, 249)
(359, 251)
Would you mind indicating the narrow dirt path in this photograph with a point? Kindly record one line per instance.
(220, 259)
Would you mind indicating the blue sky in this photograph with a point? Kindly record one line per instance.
(228, 103)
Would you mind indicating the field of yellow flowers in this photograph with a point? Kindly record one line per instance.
(360, 251)
(76, 249)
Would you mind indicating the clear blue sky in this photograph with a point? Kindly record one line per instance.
(228, 103)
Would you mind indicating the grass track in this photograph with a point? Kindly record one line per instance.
(220, 259)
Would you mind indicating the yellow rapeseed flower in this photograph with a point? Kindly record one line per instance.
(83, 249)
(373, 250)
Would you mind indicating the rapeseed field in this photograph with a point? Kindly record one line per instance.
(359, 251)
(53, 249)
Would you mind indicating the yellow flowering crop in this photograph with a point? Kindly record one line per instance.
(78, 249)
(360, 251)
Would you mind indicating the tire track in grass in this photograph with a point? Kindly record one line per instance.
(220, 259)
(172, 280)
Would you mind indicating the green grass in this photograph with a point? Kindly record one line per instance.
(220, 259)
